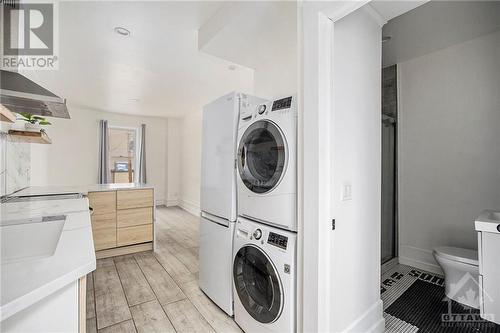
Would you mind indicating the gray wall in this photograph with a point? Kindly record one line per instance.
(449, 146)
(437, 25)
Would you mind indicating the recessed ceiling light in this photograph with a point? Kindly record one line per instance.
(135, 99)
(122, 31)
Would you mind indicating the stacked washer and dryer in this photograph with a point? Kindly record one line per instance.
(262, 268)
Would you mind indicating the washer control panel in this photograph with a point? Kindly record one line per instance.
(277, 240)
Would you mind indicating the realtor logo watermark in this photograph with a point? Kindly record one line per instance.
(29, 36)
(470, 292)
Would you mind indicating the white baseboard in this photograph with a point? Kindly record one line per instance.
(171, 202)
(190, 207)
(372, 320)
(419, 258)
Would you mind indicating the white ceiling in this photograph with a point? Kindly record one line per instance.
(390, 9)
(157, 71)
(253, 34)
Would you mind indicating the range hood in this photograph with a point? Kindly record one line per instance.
(20, 94)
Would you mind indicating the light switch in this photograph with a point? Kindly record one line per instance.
(346, 192)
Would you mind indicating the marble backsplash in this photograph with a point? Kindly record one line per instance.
(14, 165)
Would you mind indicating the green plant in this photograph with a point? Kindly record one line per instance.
(28, 117)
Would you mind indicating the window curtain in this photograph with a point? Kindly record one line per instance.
(103, 171)
(141, 170)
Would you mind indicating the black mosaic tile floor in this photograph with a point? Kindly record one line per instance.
(414, 301)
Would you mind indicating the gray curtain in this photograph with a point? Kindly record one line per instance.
(103, 173)
(141, 170)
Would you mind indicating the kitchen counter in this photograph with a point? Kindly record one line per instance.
(46, 246)
(83, 189)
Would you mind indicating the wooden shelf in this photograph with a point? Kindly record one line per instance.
(29, 137)
(6, 115)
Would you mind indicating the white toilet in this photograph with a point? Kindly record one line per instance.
(461, 274)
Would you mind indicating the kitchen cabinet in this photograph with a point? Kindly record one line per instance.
(122, 221)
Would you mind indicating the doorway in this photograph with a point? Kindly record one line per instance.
(389, 220)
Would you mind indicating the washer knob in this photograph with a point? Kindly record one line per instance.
(261, 109)
(257, 234)
(498, 228)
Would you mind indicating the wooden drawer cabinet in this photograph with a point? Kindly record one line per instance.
(103, 202)
(122, 221)
(134, 235)
(104, 230)
(134, 216)
(134, 199)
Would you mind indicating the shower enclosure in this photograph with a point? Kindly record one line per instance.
(389, 250)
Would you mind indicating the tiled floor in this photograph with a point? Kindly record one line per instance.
(414, 301)
(157, 292)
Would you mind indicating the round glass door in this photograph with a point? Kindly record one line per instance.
(261, 156)
(257, 284)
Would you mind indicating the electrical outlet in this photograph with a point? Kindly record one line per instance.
(346, 192)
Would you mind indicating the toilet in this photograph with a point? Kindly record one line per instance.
(461, 274)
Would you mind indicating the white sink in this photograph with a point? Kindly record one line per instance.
(30, 239)
(489, 221)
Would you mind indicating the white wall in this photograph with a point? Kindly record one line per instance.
(190, 173)
(72, 158)
(173, 162)
(449, 146)
(355, 243)
(277, 79)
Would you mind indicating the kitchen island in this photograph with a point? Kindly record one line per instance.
(46, 252)
(122, 215)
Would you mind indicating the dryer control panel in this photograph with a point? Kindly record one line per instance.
(277, 240)
(280, 104)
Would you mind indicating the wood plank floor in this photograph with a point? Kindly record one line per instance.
(155, 292)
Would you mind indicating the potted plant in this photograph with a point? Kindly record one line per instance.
(33, 123)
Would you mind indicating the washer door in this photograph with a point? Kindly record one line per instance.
(257, 284)
(261, 156)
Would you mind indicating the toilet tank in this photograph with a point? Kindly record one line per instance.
(488, 228)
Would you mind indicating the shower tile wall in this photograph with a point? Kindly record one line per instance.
(14, 165)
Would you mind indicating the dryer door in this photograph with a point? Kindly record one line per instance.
(262, 156)
(257, 284)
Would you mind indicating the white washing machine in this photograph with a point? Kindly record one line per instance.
(267, 163)
(264, 268)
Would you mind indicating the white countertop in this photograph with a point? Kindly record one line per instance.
(489, 221)
(83, 189)
(39, 256)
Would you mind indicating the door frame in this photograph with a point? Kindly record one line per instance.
(315, 168)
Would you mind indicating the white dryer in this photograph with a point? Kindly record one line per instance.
(264, 268)
(267, 163)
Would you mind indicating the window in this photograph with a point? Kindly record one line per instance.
(122, 154)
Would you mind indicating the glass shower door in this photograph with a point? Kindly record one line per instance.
(388, 188)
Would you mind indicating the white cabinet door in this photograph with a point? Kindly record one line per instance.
(218, 174)
(490, 269)
(216, 262)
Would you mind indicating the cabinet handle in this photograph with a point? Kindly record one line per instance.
(91, 210)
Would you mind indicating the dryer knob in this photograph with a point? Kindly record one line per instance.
(257, 234)
(261, 109)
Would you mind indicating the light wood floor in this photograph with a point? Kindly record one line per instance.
(155, 292)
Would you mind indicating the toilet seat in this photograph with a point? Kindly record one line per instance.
(465, 256)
